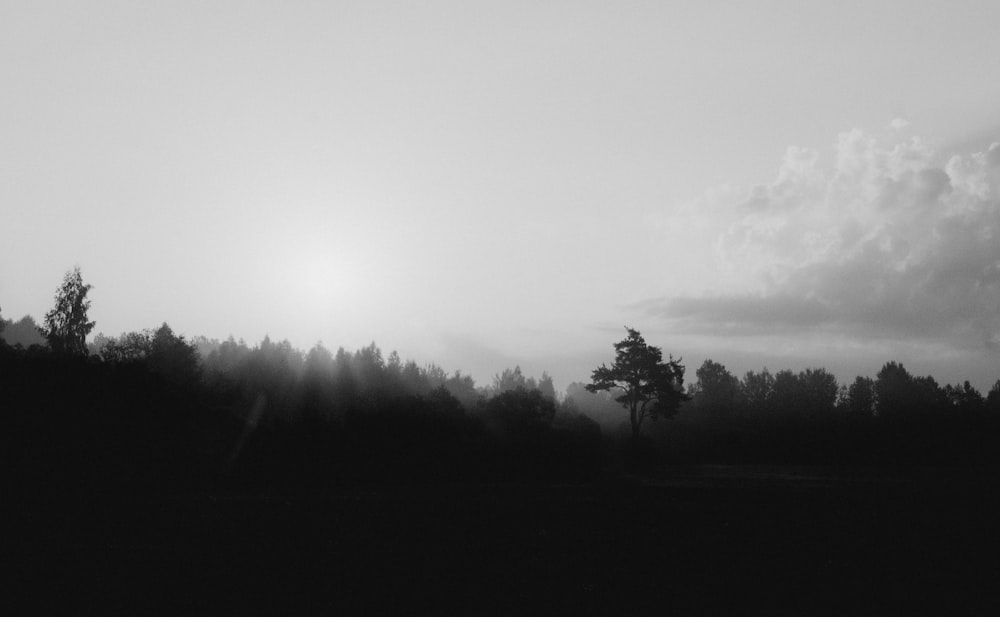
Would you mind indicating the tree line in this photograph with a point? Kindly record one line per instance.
(154, 408)
(893, 393)
(154, 411)
(796, 417)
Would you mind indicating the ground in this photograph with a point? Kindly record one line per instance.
(706, 540)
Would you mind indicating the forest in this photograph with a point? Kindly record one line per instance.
(152, 409)
(97, 430)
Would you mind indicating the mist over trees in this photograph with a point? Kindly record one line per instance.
(649, 387)
(288, 465)
(270, 414)
(806, 417)
(513, 379)
(23, 332)
(161, 351)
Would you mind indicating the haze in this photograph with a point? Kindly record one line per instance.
(480, 185)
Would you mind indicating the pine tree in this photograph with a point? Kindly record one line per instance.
(649, 386)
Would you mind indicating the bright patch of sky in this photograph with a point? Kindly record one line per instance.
(485, 184)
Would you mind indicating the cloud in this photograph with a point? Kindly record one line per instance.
(887, 242)
(899, 124)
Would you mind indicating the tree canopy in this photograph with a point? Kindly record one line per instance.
(649, 387)
(66, 326)
(717, 391)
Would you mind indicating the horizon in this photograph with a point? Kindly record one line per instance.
(491, 186)
(528, 370)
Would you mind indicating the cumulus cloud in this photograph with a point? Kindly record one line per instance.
(889, 241)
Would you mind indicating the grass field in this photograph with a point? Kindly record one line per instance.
(710, 540)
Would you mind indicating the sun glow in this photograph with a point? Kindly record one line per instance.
(320, 282)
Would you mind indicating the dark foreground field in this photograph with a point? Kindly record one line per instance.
(691, 540)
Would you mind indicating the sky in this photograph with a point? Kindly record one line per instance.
(484, 184)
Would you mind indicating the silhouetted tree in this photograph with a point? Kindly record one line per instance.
(129, 347)
(717, 391)
(317, 381)
(164, 353)
(509, 379)
(899, 394)
(394, 372)
(993, 398)
(513, 379)
(809, 392)
(66, 326)
(861, 396)
(520, 412)
(265, 377)
(819, 391)
(928, 395)
(786, 396)
(649, 386)
(758, 390)
(546, 387)
(463, 388)
(224, 361)
(964, 397)
(319, 364)
(893, 390)
(24, 332)
(368, 366)
(172, 357)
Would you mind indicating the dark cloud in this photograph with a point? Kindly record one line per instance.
(746, 314)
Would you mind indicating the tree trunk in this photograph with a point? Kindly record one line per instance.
(634, 418)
